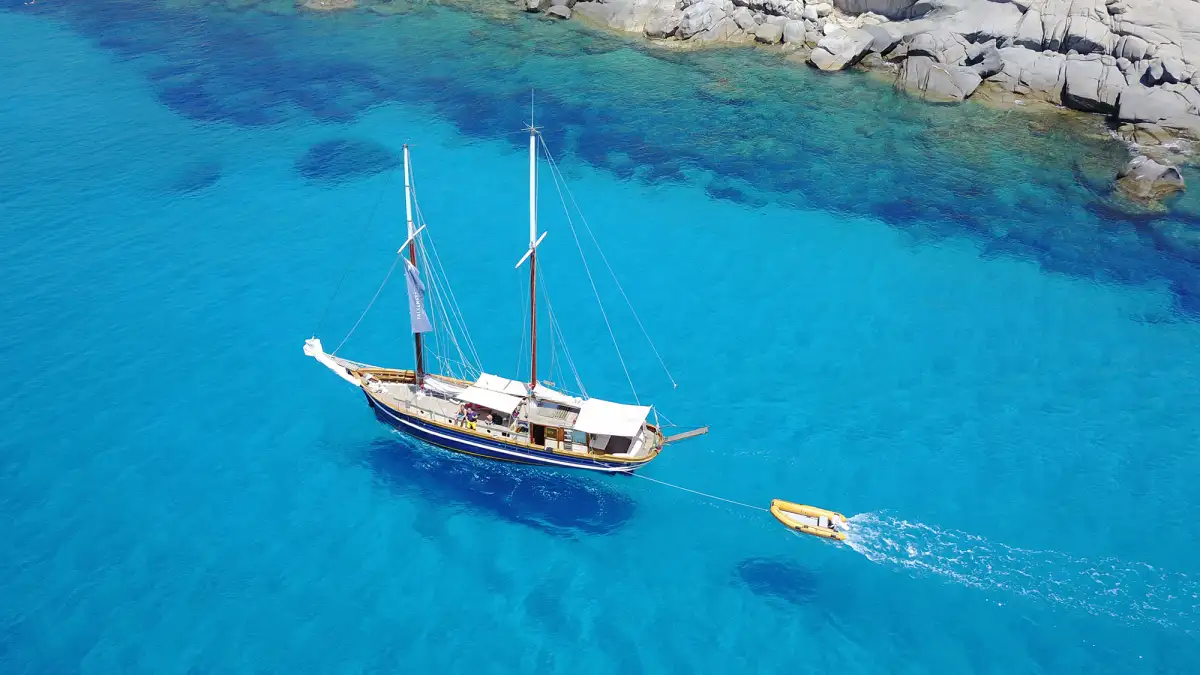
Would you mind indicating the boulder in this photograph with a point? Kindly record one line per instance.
(840, 50)
(793, 32)
(940, 45)
(1087, 35)
(624, 15)
(785, 8)
(744, 18)
(1092, 85)
(724, 30)
(883, 39)
(1151, 104)
(562, 3)
(985, 60)
(663, 25)
(892, 9)
(1173, 70)
(698, 18)
(1147, 180)
(536, 5)
(1040, 75)
(937, 82)
(769, 33)
(1029, 32)
(984, 21)
(1144, 133)
(1131, 47)
(559, 11)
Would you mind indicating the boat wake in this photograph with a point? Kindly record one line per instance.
(1134, 592)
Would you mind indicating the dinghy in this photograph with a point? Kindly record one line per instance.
(810, 519)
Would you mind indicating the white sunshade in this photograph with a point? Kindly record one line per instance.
(547, 394)
(441, 386)
(487, 398)
(502, 385)
(613, 419)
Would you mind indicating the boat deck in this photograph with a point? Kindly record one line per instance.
(410, 398)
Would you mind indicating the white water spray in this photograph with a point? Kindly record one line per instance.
(1104, 587)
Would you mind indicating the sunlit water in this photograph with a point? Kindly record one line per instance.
(935, 317)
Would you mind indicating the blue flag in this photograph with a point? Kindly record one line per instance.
(416, 300)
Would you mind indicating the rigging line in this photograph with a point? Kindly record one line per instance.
(628, 303)
(697, 492)
(462, 323)
(361, 236)
(438, 354)
(554, 174)
(438, 280)
(440, 304)
(521, 293)
(369, 304)
(562, 338)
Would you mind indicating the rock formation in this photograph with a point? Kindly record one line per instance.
(1135, 61)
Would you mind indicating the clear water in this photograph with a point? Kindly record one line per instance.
(930, 317)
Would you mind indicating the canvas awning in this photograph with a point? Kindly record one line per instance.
(441, 386)
(547, 394)
(502, 385)
(613, 419)
(502, 403)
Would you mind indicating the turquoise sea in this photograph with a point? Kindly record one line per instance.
(935, 318)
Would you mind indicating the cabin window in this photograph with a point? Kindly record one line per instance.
(579, 437)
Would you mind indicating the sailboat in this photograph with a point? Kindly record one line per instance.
(466, 410)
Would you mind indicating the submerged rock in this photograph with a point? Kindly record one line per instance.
(329, 5)
(1147, 180)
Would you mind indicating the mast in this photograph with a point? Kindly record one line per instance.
(412, 255)
(532, 254)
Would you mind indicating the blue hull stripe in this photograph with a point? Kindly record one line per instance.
(444, 438)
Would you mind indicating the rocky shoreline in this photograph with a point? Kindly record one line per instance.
(1137, 62)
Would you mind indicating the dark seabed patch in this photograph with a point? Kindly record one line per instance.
(345, 159)
(744, 125)
(779, 579)
(554, 503)
(196, 176)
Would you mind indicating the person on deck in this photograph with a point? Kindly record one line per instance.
(471, 417)
(461, 418)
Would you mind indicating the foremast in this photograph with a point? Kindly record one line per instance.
(412, 257)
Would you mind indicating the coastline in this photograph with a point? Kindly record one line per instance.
(962, 50)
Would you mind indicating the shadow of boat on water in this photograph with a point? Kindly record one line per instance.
(542, 498)
(779, 580)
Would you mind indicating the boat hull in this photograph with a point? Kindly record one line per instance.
(462, 441)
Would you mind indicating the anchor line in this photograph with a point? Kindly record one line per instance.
(702, 494)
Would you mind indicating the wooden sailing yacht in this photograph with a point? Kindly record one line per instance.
(470, 411)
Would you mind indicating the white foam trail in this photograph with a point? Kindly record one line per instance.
(1104, 587)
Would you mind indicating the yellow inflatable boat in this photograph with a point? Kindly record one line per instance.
(810, 519)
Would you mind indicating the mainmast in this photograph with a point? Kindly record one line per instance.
(412, 254)
(533, 242)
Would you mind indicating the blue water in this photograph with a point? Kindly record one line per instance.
(935, 318)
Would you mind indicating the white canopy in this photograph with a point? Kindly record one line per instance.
(613, 419)
(487, 398)
(502, 385)
(441, 386)
(547, 394)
